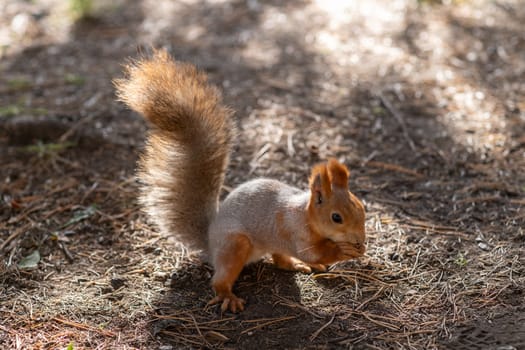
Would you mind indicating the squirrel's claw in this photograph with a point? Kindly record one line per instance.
(231, 302)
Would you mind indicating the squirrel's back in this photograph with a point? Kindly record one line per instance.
(259, 209)
(187, 149)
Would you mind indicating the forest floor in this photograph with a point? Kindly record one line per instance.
(424, 101)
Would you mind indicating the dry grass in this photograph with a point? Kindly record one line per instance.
(423, 102)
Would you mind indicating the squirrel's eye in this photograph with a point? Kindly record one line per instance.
(337, 218)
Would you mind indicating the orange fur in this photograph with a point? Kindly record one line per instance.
(187, 152)
(338, 199)
(320, 180)
(233, 257)
(338, 174)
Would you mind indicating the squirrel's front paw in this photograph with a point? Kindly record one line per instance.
(318, 267)
(286, 262)
(229, 301)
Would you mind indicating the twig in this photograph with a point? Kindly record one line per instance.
(66, 135)
(272, 321)
(14, 235)
(350, 274)
(517, 201)
(399, 117)
(373, 297)
(480, 199)
(394, 167)
(7, 330)
(71, 183)
(157, 317)
(437, 230)
(379, 323)
(84, 327)
(488, 186)
(199, 330)
(289, 144)
(66, 252)
(262, 151)
(432, 226)
(57, 210)
(415, 263)
(316, 333)
(181, 338)
(289, 303)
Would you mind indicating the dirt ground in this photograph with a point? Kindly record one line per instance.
(423, 100)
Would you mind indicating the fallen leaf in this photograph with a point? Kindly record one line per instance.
(30, 261)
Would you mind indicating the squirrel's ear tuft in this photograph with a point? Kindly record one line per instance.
(319, 182)
(338, 173)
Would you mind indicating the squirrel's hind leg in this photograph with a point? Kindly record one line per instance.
(290, 263)
(228, 263)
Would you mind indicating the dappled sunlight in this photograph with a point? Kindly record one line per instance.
(474, 120)
(422, 100)
(357, 32)
(346, 35)
(159, 16)
(23, 29)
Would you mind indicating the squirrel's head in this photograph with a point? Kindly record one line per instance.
(334, 212)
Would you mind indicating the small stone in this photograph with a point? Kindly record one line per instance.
(481, 243)
(483, 246)
(23, 24)
(160, 276)
(116, 283)
(394, 256)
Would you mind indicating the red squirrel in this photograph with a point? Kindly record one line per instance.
(182, 171)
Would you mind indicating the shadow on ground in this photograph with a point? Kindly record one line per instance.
(434, 140)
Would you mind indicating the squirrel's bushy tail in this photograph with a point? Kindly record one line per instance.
(187, 149)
